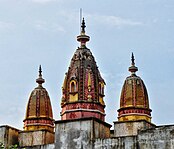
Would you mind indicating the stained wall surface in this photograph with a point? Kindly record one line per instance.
(8, 135)
(80, 133)
(83, 134)
(87, 134)
(34, 138)
(162, 137)
(116, 143)
(130, 128)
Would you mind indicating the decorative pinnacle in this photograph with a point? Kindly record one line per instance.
(83, 25)
(40, 71)
(133, 68)
(40, 80)
(83, 38)
(133, 59)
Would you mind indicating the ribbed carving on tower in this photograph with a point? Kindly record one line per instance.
(39, 111)
(83, 87)
(134, 102)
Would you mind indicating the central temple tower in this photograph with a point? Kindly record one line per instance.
(83, 87)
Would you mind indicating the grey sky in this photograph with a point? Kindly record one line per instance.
(34, 32)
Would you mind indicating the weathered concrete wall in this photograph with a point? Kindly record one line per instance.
(3, 138)
(91, 134)
(48, 146)
(75, 135)
(8, 135)
(101, 130)
(80, 133)
(116, 143)
(109, 143)
(130, 128)
(33, 138)
(162, 137)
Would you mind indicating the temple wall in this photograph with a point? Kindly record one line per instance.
(83, 134)
(80, 133)
(3, 135)
(48, 146)
(91, 134)
(34, 138)
(130, 128)
(162, 137)
(8, 135)
(116, 143)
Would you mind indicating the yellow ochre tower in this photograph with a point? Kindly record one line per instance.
(39, 111)
(134, 102)
(38, 122)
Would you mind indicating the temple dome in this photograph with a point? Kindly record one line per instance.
(134, 102)
(39, 111)
(83, 87)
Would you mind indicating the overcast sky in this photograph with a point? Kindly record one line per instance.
(34, 32)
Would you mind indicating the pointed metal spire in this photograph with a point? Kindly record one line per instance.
(83, 38)
(133, 59)
(40, 80)
(40, 71)
(133, 68)
(83, 25)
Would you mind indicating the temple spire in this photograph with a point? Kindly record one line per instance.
(133, 59)
(83, 26)
(134, 102)
(40, 80)
(133, 68)
(83, 38)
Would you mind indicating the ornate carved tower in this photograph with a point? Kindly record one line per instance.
(39, 111)
(83, 87)
(38, 122)
(134, 102)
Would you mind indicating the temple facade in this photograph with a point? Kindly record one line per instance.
(82, 124)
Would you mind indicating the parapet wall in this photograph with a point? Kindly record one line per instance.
(93, 134)
(116, 143)
(161, 137)
(130, 128)
(48, 146)
(34, 138)
(8, 135)
(79, 133)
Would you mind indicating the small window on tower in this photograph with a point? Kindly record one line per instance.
(73, 86)
(101, 88)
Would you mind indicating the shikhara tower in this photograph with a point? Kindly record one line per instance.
(38, 122)
(83, 87)
(39, 110)
(134, 102)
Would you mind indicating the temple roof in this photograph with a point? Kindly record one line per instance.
(83, 82)
(134, 96)
(39, 109)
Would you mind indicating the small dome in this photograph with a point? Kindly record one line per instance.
(134, 102)
(39, 111)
